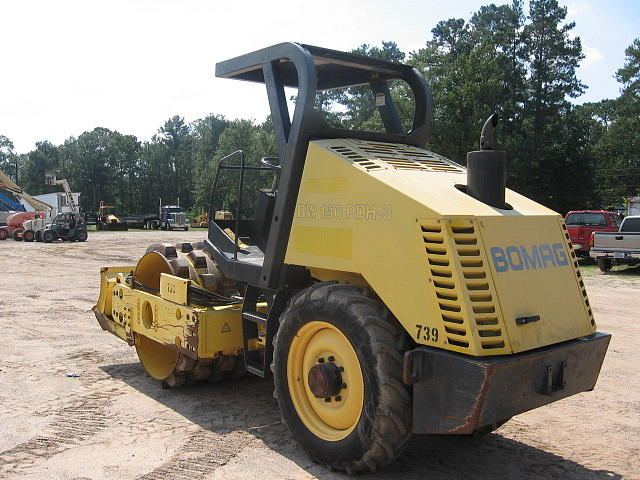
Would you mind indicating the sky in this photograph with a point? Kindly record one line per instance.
(68, 66)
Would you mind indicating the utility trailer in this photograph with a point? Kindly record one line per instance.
(384, 289)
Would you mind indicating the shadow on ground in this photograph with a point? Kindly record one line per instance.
(247, 404)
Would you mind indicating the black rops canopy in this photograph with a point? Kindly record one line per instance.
(334, 69)
(310, 69)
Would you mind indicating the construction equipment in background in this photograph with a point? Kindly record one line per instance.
(202, 220)
(15, 221)
(387, 289)
(109, 221)
(4, 214)
(8, 204)
(67, 226)
(33, 229)
(51, 180)
(16, 225)
(38, 205)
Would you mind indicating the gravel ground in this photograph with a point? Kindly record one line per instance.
(113, 422)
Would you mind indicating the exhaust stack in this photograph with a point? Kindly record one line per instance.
(486, 169)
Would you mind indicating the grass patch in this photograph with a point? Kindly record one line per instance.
(588, 268)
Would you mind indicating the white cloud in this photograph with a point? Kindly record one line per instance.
(592, 56)
(576, 8)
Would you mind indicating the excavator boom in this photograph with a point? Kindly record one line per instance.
(50, 179)
(8, 184)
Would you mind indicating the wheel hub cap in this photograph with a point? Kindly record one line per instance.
(325, 380)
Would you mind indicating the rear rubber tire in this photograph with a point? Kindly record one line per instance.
(4, 234)
(48, 236)
(17, 234)
(28, 236)
(385, 422)
(39, 236)
(604, 264)
(81, 236)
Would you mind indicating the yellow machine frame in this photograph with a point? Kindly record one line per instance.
(167, 318)
(427, 257)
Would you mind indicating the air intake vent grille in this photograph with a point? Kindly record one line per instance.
(405, 157)
(356, 158)
(462, 285)
(389, 156)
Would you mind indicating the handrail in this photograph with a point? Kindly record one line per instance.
(242, 167)
(236, 237)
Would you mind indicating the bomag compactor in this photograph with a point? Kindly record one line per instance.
(386, 289)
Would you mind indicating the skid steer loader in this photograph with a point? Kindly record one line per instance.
(386, 289)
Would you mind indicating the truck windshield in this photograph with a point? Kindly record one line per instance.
(630, 225)
(585, 218)
(172, 210)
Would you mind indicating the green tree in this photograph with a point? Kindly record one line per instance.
(7, 158)
(502, 26)
(101, 165)
(461, 64)
(553, 57)
(629, 76)
(354, 107)
(175, 137)
(206, 137)
(44, 158)
(618, 149)
(256, 141)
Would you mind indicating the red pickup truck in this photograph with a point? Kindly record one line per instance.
(582, 223)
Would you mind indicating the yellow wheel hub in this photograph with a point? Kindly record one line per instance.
(322, 347)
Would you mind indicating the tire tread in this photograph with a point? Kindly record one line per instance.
(392, 419)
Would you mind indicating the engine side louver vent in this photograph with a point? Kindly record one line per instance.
(446, 288)
(463, 286)
(477, 286)
(578, 275)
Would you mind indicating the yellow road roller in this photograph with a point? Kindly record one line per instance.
(385, 289)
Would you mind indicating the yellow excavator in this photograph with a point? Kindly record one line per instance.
(384, 289)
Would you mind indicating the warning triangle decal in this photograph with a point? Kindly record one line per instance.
(225, 328)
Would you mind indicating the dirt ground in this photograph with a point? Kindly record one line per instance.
(113, 422)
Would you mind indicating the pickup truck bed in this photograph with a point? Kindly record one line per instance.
(623, 247)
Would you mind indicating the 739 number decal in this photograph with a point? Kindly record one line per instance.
(427, 334)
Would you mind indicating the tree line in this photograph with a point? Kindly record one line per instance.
(520, 64)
